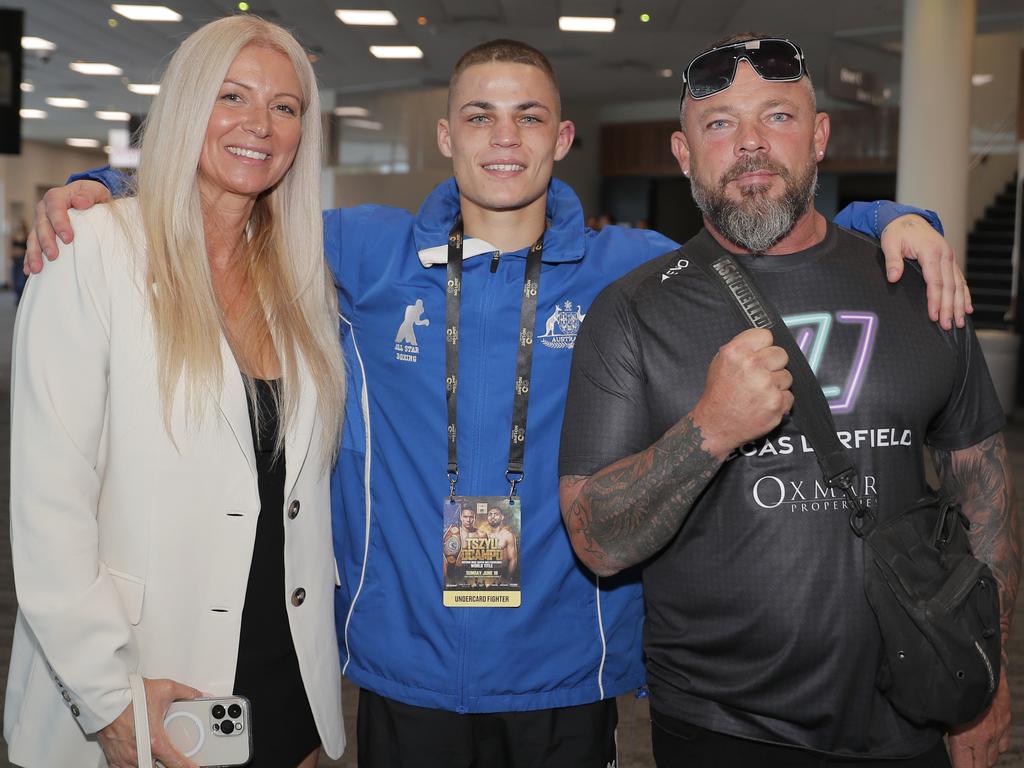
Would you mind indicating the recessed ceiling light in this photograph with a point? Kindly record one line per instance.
(27, 87)
(122, 117)
(369, 125)
(586, 23)
(145, 89)
(665, 72)
(396, 51)
(66, 102)
(146, 12)
(84, 143)
(645, 17)
(37, 44)
(32, 114)
(981, 79)
(95, 68)
(366, 18)
(351, 111)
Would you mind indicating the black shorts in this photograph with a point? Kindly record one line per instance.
(678, 744)
(395, 735)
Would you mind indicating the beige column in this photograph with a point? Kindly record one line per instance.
(935, 100)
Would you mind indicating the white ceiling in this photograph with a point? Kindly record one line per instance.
(622, 66)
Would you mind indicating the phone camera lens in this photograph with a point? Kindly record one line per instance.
(217, 711)
(227, 727)
(234, 711)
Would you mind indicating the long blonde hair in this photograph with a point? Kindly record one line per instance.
(284, 237)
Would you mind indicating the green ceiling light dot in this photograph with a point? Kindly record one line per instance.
(111, 23)
(645, 17)
(243, 6)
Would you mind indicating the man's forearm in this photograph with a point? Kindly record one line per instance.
(628, 511)
(979, 478)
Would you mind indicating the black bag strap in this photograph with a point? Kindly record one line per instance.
(810, 412)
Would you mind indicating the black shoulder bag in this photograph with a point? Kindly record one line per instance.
(937, 606)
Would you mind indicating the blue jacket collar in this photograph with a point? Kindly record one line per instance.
(563, 240)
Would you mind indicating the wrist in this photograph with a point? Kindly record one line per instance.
(887, 213)
(714, 442)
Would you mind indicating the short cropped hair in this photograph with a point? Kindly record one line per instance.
(741, 37)
(504, 51)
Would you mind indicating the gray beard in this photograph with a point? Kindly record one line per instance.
(756, 222)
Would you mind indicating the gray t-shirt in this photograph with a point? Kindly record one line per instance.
(757, 624)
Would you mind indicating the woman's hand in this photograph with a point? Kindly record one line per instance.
(118, 739)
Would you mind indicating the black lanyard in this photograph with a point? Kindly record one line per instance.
(524, 359)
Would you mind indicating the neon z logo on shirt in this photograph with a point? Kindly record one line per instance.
(812, 330)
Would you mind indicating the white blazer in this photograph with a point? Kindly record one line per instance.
(132, 550)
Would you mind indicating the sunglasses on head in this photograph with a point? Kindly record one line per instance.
(773, 59)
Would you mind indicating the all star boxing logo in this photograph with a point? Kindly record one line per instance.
(407, 348)
(562, 326)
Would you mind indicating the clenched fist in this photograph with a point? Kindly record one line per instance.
(746, 393)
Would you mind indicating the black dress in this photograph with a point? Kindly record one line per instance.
(283, 729)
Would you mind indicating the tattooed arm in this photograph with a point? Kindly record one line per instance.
(626, 512)
(629, 510)
(980, 479)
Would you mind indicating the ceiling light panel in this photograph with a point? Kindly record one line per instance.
(113, 116)
(396, 51)
(366, 18)
(32, 114)
(84, 143)
(144, 89)
(586, 23)
(27, 87)
(351, 111)
(37, 44)
(146, 12)
(95, 68)
(66, 102)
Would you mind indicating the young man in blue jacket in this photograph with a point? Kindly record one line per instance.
(426, 438)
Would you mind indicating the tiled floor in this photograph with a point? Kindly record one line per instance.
(634, 736)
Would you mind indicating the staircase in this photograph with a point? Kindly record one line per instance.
(989, 265)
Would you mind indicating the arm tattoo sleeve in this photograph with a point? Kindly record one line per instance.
(629, 510)
(980, 479)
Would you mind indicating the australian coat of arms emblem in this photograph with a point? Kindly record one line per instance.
(562, 326)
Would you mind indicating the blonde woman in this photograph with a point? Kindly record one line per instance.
(177, 398)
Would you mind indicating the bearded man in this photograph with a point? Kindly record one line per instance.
(678, 450)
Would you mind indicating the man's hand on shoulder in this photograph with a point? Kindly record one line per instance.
(911, 237)
(979, 744)
(52, 219)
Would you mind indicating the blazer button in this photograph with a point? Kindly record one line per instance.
(66, 696)
(75, 710)
(298, 597)
(293, 509)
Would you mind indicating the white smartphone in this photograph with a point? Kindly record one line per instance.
(211, 732)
